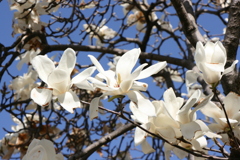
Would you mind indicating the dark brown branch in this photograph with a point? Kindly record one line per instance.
(144, 55)
(231, 81)
(104, 140)
(189, 26)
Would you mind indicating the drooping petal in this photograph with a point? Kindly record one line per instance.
(43, 65)
(41, 96)
(140, 135)
(146, 148)
(126, 63)
(153, 69)
(68, 61)
(69, 100)
(211, 110)
(142, 102)
(93, 109)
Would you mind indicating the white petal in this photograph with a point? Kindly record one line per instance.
(140, 135)
(140, 116)
(93, 109)
(189, 130)
(186, 109)
(36, 153)
(41, 96)
(69, 100)
(49, 147)
(126, 85)
(137, 71)
(43, 65)
(153, 69)
(191, 77)
(199, 143)
(142, 102)
(139, 86)
(126, 63)
(59, 80)
(146, 148)
(231, 68)
(81, 79)
(97, 64)
(200, 105)
(68, 61)
(211, 110)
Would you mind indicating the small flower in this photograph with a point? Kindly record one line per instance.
(102, 32)
(59, 80)
(210, 60)
(42, 149)
(124, 82)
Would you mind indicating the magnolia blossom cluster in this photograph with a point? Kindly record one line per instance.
(28, 14)
(101, 32)
(175, 122)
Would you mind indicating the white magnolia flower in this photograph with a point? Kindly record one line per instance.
(210, 60)
(101, 32)
(59, 81)
(231, 102)
(42, 150)
(124, 82)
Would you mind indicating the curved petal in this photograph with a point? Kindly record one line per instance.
(200, 105)
(186, 109)
(81, 79)
(126, 85)
(67, 61)
(126, 63)
(140, 135)
(146, 148)
(231, 68)
(49, 147)
(69, 100)
(142, 102)
(211, 110)
(137, 71)
(153, 69)
(199, 143)
(97, 64)
(93, 109)
(59, 80)
(83, 75)
(140, 116)
(200, 54)
(36, 153)
(191, 77)
(139, 86)
(41, 96)
(220, 53)
(189, 130)
(43, 65)
(209, 51)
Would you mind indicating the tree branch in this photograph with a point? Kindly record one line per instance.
(231, 81)
(104, 140)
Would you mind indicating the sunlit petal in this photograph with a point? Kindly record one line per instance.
(68, 61)
(41, 96)
(69, 100)
(43, 65)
